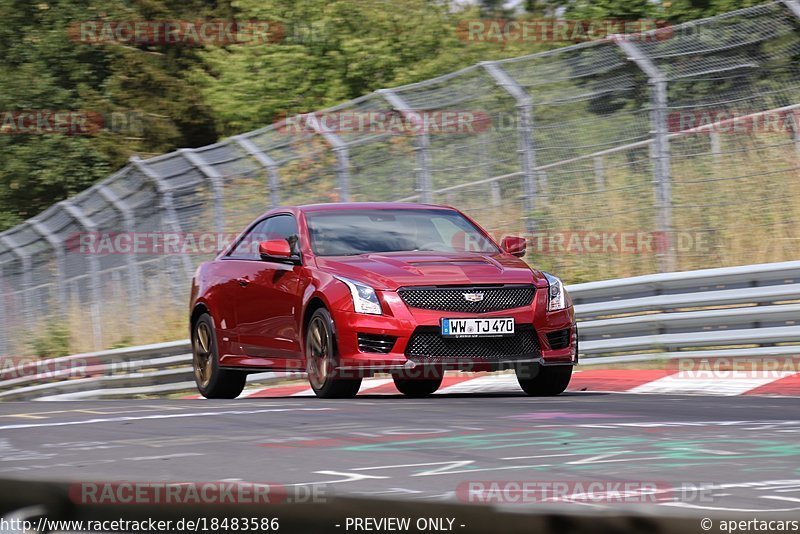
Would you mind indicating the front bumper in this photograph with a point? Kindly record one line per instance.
(401, 322)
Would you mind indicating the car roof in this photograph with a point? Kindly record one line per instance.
(350, 206)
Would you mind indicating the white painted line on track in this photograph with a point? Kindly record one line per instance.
(160, 416)
(164, 456)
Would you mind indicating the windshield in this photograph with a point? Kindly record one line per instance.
(347, 233)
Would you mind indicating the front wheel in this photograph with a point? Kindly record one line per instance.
(321, 360)
(212, 382)
(543, 381)
(417, 387)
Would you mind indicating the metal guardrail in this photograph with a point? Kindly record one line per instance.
(748, 311)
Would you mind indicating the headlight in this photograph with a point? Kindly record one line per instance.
(556, 296)
(365, 300)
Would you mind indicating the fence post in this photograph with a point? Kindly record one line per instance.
(527, 152)
(4, 351)
(27, 281)
(342, 155)
(94, 271)
(169, 217)
(217, 185)
(716, 145)
(599, 173)
(422, 146)
(793, 6)
(660, 148)
(58, 249)
(129, 221)
(268, 163)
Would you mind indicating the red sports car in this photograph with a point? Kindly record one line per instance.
(345, 291)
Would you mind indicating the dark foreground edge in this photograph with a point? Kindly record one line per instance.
(31, 500)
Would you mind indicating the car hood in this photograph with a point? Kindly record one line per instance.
(390, 271)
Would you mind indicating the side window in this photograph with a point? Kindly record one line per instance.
(283, 227)
(247, 248)
(277, 227)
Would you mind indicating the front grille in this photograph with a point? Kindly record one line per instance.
(376, 343)
(558, 339)
(452, 299)
(427, 344)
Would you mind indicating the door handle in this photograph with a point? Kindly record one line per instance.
(243, 281)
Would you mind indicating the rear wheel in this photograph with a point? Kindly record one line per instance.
(212, 382)
(543, 381)
(417, 387)
(321, 360)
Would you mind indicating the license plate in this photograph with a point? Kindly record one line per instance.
(494, 327)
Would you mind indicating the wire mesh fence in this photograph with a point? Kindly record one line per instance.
(673, 149)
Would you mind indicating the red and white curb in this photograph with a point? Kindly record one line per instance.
(783, 383)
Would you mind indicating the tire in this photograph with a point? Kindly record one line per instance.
(322, 357)
(212, 382)
(417, 387)
(543, 381)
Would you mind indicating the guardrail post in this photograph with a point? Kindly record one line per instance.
(58, 249)
(421, 147)
(342, 155)
(94, 272)
(169, 217)
(526, 149)
(268, 163)
(129, 222)
(660, 147)
(217, 185)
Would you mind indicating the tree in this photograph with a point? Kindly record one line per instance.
(138, 97)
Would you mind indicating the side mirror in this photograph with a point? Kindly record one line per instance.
(276, 250)
(514, 245)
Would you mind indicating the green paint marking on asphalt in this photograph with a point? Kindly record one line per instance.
(675, 454)
(475, 441)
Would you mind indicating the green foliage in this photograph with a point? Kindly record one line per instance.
(43, 67)
(124, 341)
(335, 51)
(188, 96)
(54, 341)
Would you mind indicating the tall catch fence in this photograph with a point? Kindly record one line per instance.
(685, 138)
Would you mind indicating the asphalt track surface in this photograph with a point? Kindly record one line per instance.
(703, 453)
